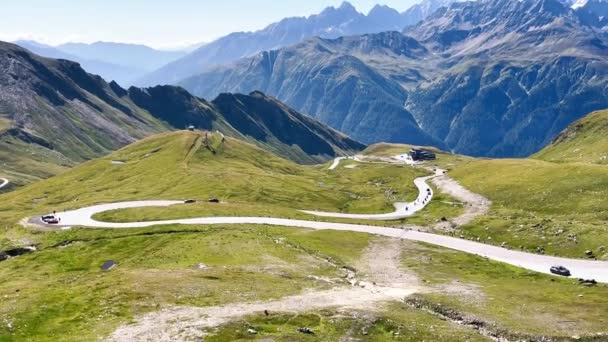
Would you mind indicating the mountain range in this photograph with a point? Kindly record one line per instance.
(123, 63)
(53, 114)
(494, 78)
(332, 22)
(487, 78)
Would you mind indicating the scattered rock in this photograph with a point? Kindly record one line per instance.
(16, 252)
(587, 282)
(306, 331)
(108, 265)
(444, 219)
(200, 267)
(252, 331)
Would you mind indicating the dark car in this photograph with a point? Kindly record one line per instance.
(214, 200)
(52, 221)
(47, 217)
(560, 270)
(190, 201)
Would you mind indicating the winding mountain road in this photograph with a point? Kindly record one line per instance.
(386, 283)
(3, 182)
(402, 209)
(588, 269)
(336, 162)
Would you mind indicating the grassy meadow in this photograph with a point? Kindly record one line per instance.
(60, 293)
(560, 207)
(508, 298)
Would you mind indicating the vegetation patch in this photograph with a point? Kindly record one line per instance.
(509, 298)
(397, 322)
(60, 292)
(539, 206)
(584, 141)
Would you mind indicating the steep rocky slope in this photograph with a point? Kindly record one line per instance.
(353, 84)
(518, 72)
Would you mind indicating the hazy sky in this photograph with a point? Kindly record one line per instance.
(159, 23)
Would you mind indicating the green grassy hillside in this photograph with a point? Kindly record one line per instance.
(156, 265)
(559, 207)
(555, 201)
(250, 180)
(584, 141)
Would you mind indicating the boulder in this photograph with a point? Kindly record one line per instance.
(305, 330)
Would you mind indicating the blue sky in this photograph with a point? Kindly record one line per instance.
(159, 23)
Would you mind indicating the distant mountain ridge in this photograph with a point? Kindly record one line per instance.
(487, 78)
(111, 72)
(123, 63)
(53, 114)
(330, 23)
(135, 56)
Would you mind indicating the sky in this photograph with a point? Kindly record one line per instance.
(158, 23)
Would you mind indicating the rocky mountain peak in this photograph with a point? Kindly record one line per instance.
(346, 9)
(382, 10)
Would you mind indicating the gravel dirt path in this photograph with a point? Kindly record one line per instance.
(474, 205)
(384, 280)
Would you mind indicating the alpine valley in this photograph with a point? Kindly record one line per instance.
(437, 173)
(493, 78)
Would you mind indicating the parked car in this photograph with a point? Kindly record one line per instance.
(47, 217)
(560, 270)
(214, 200)
(190, 201)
